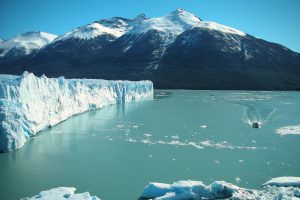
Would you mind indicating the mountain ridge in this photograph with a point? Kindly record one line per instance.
(178, 50)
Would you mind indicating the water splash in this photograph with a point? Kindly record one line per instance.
(257, 114)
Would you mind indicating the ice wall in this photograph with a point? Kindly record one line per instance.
(29, 104)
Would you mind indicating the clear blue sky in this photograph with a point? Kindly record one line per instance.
(273, 20)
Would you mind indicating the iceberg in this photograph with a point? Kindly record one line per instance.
(62, 193)
(289, 130)
(222, 190)
(29, 104)
(285, 181)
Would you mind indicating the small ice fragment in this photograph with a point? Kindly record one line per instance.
(147, 135)
(175, 136)
(217, 162)
(131, 140)
(150, 156)
(241, 161)
(203, 126)
(237, 179)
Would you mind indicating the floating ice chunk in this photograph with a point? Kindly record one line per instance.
(193, 190)
(289, 130)
(237, 179)
(285, 181)
(29, 104)
(217, 162)
(62, 193)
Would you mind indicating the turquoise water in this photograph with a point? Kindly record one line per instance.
(199, 135)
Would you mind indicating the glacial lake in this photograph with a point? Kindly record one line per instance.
(180, 135)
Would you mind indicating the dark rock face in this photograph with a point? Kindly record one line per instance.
(205, 59)
(198, 58)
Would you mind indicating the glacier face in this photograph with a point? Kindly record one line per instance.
(29, 104)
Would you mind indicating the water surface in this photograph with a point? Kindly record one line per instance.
(199, 135)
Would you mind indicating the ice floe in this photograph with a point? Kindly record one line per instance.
(62, 193)
(192, 190)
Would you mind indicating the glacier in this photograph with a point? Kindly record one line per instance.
(277, 188)
(29, 104)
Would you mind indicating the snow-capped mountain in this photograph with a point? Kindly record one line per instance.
(25, 43)
(121, 24)
(178, 50)
(114, 27)
(177, 22)
(90, 31)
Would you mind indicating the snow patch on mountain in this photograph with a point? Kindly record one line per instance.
(29, 104)
(121, 24)
(26, 42)
(90, 31)
(219, 27)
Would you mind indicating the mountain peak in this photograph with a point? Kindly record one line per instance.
(27, 41)
(182, 13)
(29, 33)
(115, 26)
(170, 25)
(178, 11)
(141, 16)
(37, 34)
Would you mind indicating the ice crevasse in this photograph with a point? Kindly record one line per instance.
(29, 104)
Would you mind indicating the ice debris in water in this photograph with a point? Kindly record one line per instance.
(62, 193)
(289, 130)
(193, 190)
